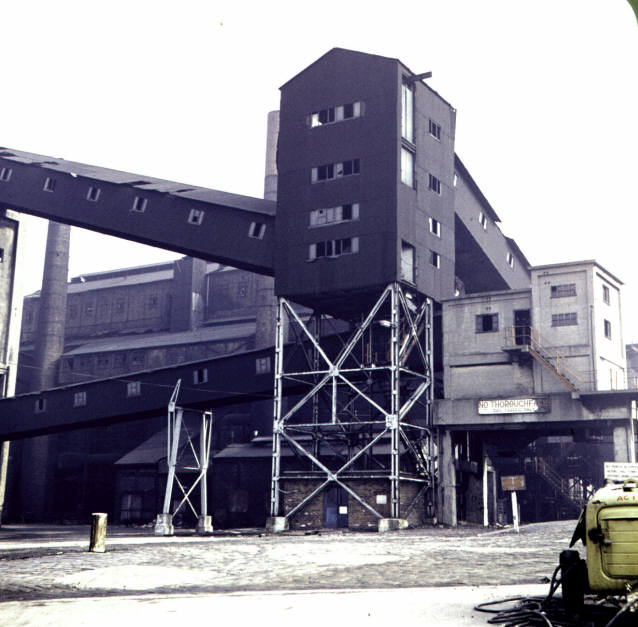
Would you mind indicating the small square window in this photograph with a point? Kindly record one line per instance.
(434, 129)
(49, 184)
(139, 204)
(257, 230)
(262, 365)
(486, 323)
(5, 174)
(435, 227)
(79, 399)
(133, 388)
(93, 194)
(606, 295)
(196, 216)
(434, 184)
(200, 375)
(40, 405)
(435, 259)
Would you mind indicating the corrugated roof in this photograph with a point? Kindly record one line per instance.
(156, 340)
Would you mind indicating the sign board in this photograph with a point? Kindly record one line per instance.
(619, 471)
(529, 405)
(513, 483)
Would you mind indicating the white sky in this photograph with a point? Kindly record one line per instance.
(546, 94)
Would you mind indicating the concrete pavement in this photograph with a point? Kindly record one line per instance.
(429, 576)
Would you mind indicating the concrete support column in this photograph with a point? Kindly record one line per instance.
(38, 457)
(621, 444)
(266, 319)
(447, 480)
(270, 178)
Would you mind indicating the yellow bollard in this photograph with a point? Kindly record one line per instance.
(98, 533)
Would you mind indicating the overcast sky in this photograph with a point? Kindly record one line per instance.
(546, 94)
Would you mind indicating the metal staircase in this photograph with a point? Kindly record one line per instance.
(528, 339)
(560, 485)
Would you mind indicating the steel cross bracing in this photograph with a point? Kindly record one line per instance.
(367, 410)
(182, 455)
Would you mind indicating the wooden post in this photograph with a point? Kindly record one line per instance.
(515, 511)
(98, 533)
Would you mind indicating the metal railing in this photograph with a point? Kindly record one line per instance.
(547, 355)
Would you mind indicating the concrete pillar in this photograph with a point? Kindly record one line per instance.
(188, 294)
(270, 178)
(38, 454)
(621, 444)
(266, 314)
(447, 480)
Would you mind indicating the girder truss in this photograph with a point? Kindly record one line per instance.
(366, 412)
(187, 463)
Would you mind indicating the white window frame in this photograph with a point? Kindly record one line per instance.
(79, 399)
(133, 388)
(5, 174)
(93, 194)
(139, 204)
(434, 129)
(510, 260)
(333, 215)
(435, 227)
(434, 184)
(257, 230)
(483, 220)
(196, 216)
(408, 159)
(200, 375)
(435, 259)
(407, 110)
(49, 184)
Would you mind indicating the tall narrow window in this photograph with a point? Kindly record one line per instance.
(483, 220)
(139, 204)
(407, 111)
(49, 184)
(93, 194)
(435, 259)
(608, 329)
(606, 298)
(435, 227)
(407, 262)
(407, 166)
(510, 260)
(5, 174)
(434, 129)
(434, 184)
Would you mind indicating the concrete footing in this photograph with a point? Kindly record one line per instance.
(276, 524)
(204, 525)
(392, 524)
(164, 525)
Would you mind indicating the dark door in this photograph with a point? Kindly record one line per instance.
(522, 330)
(335, 507)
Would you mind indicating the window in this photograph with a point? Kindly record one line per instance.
(434, 129)
(486, 323)
(40, 405)
(607, 329)
(407, 111)
(89, 309)
(510, 260)
(153, 301)
(435, 227)
(564, 290)
(49, 184)
(133, 388)
(483, 220)
(200, 375)
(331, 171)
(435, 259)
(332, 215)
(434, 184)
(455, 180)
(1, 255)
(262, 365)
(242, 289)
(79, 399)
(196, 216)
(407, 166)
(333, 248)
(139, 204)
(606, 296)
(257, 230)
(407, 262)
(336, 114)
(120, 306)
(564, 319)
(5, 174)
(93, 194)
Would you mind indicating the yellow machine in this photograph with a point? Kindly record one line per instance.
(608, 527)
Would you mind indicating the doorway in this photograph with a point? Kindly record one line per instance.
(522, 328)
(335, 507)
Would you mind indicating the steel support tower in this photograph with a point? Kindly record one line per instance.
(367, 410)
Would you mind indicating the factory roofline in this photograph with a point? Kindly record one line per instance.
(588, 262)
(367, 54)
(461, 169)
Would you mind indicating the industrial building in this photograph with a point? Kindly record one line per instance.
(418, 357)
